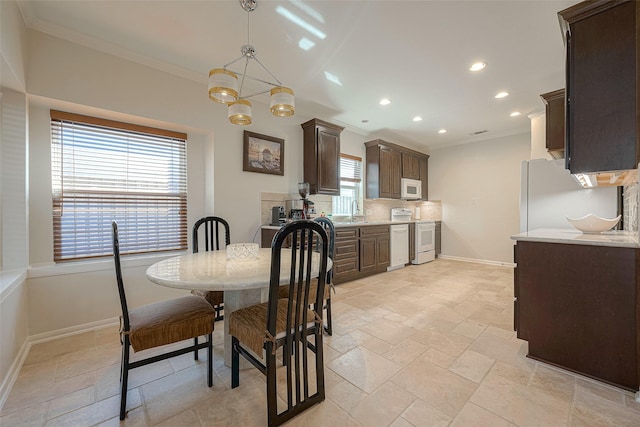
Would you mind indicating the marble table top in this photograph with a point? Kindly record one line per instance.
(212, 271)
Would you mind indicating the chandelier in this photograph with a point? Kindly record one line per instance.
(223, 84)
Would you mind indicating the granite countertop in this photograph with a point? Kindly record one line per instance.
(623, 239)
(341, 224)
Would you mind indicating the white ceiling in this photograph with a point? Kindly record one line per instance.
(416, 53)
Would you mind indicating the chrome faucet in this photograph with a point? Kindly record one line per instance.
(357, 210)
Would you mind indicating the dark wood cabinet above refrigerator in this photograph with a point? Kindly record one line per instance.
(554, 122)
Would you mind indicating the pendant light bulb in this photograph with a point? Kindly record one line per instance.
(282, 102)
(240, 112)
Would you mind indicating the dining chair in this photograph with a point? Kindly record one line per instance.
(158, 324)
(211, 228)
(259, 330)
(329, 228)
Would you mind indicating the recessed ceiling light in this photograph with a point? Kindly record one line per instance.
(515, 114)
(332, 78)
(442, 131)
(385, 101)
(300, 22)
(417, 119)
(365, 121)
(305, 43)
(477, 66)
(502, 95)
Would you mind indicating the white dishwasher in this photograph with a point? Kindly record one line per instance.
(399, 235)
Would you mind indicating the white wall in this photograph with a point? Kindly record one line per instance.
(479, 187)
(13, 42)
(70, 77)
(13, 195)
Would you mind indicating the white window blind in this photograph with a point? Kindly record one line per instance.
(350, 168)
(350, 185)
(104, 170)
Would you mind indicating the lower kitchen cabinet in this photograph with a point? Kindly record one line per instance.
(360, 252)
(346, 261)
(375, 255)
(266, 237)
(578, 306)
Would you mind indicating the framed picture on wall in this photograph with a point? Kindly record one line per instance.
(263, 154)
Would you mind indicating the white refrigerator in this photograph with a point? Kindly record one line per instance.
(548, 194)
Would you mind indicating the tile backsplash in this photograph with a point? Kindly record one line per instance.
(374, 210)
(630, 207)
(379, 209)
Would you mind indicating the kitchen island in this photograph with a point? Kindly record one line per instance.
(577, 302)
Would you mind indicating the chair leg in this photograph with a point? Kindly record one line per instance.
(329, 328)
(272, 398)
(210, 360)
(235, 363)
(195, 350)
(124, 378)
(219, 308)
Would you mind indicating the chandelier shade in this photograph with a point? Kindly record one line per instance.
(282, 102)
(240, 112)
(223, 85)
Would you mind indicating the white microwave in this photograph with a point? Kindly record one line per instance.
(410, 189)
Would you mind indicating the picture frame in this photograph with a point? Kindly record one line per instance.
(262, 154)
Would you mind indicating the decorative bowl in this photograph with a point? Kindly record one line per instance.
(593, 224)
(242, 251)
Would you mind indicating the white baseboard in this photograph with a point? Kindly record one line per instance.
(14, 371)
(72, 330)
(477, 261)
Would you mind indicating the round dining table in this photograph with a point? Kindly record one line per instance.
(244, 282)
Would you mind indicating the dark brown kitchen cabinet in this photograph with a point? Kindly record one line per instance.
(410, 166)
(360, 251)
(387, 164)
(424, 176)
(266, 237)
(346, 261)
(374, 249)
(602, 41)
(554, 119)
(578, 306)
(384, 170)
(321, 157)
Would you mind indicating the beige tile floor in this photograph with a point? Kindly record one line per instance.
(428, 345)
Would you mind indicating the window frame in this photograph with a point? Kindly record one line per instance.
(126, 203)
(357, 182)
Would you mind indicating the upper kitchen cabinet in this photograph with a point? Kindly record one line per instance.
(387, 164)
(424, 176)
(384, 170)
(410, 166)
(554, 118)
(321, 142)
(602, 39)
